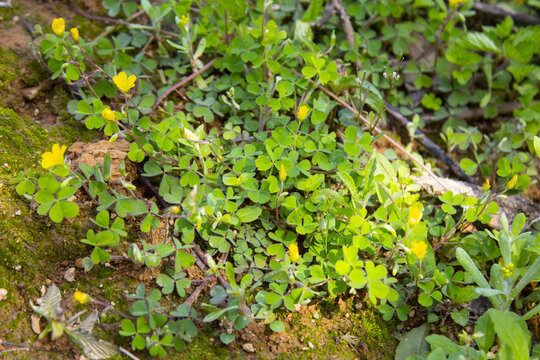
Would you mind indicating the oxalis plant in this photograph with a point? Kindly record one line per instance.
(270, 180)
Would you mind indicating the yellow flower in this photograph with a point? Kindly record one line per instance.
(302, 112)
(512, 182)
(175, 210)
(419, 248)
(123, 82)
(282, 173)
(415, 215)
(486, 186)
(184, 20)
(54, 157)
(59, 26)
(108, 114)
(81, 297)
(293, 252)
(454, 3)
(75, 34)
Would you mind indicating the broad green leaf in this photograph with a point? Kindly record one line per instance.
(249, 214)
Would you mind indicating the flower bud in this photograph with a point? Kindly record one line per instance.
(282, 174)
(293, 252)
(486, 186)
(75, 34)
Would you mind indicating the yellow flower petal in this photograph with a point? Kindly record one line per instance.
(512, 182)
(59, 26)
(123, 83)
(81, 297)
(302, 112)
(415, 215)
(419, 248)
(54, 157)
(75, 34)
(293, 252)
(108, 114)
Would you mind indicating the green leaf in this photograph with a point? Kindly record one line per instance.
(468, 165)
(536, 144)
(413, 343)
(440, 341)
(480, 42)
(277, 326)
(313, 11)
(227, 338)
(461, 317)
(63, 209)
(127, 328)
(249, 214)
(317, 274)
(357, 278)
(510, 333)
(469, 265)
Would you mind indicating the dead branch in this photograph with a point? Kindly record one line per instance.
(421, 138)
(499, 11)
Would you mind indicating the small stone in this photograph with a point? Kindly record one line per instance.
(310, 345)
(34, 320)
(18, 212)
(358, 305)
(65, 263)
(79, 263)
(36, 112)
(15, 19)
(70, 274)
(17, 268)
(248, 347)
(3, 294)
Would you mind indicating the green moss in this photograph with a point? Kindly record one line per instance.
(35, 73)
(8, 71)
(348, 334)
(20, 144)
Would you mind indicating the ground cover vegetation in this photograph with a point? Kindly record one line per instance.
(260, 151)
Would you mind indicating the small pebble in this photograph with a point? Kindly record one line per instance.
(3, 294)
(70, 274)
(248, 347)
(15, 19)
(310, 345)
(79, 263)
(34, 320)
(17, 268)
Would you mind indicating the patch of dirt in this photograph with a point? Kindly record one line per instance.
(94, 153)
